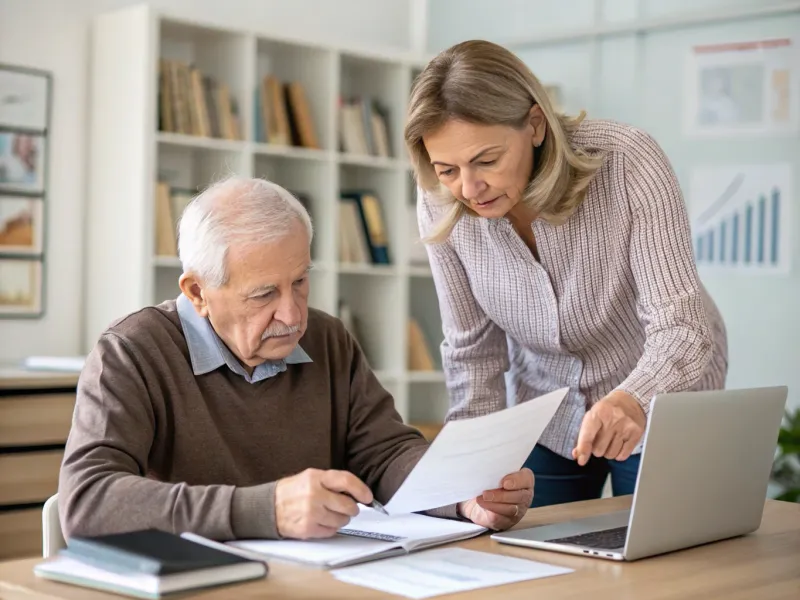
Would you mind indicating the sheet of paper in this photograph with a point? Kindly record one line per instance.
(444, 571)
(473, 455)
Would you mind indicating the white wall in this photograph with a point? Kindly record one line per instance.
(54, 35)
(638, 79)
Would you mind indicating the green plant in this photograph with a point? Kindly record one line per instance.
(786, 468)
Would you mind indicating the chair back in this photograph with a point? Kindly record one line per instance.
(52, 538)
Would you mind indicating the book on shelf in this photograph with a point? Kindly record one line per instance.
(353, 246)
(283, 115)
(364, 127)
(368, 536)
(147, 563)
(362, 229)
(419, 354)
(170, 203)
(192, 103)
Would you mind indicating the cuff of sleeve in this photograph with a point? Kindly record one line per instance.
(642, 386)
(445, 512)
(253, 512)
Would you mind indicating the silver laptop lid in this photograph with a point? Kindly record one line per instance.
(704, 468)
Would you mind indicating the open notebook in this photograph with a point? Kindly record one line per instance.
(369, 536)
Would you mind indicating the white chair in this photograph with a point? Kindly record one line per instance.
(52, 538)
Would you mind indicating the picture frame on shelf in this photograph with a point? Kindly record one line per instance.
(21, 226)
(24, 98)
(21, 287)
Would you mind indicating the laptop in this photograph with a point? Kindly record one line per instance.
(705, 466)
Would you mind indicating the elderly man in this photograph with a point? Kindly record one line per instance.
(236, 411)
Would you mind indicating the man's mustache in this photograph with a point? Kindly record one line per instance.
(280, 330)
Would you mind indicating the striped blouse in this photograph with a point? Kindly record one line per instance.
(613, 303)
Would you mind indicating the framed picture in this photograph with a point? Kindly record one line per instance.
(20, 287)
(743, 89)
(22, 162)
(21, 225)
(25, 105)
(24, 98)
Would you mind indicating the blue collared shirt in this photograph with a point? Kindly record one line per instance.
(208, 352)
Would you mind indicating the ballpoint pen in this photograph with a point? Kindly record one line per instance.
(374, 504)
(378, 506)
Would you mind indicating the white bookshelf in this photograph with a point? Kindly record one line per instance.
(128, 154)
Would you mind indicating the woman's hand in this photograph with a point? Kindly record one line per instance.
(503, 507)
(611, 428)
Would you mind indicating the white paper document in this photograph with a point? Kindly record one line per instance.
(444, 571)
(473, 455)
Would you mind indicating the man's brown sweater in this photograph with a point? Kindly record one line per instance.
(154, 445)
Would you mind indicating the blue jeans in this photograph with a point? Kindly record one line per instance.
(559, 480)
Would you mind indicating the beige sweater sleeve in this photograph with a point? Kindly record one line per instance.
(103, 485)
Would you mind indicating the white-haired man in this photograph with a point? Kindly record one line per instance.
(236, 411)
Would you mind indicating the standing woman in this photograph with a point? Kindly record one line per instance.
(561, 254)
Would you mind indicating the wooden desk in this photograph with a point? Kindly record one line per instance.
(35, 418)
(761, 566)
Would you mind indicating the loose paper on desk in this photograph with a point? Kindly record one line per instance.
(473, 455)
(444, 571)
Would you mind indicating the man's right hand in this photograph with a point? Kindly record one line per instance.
(316, 504)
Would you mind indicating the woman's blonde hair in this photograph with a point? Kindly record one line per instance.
(480, 82)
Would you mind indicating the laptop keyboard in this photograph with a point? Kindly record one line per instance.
(610, 539)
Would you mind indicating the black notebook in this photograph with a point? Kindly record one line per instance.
(147, 563)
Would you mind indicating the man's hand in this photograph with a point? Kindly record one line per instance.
(611, 428)
(316, 504)
(502, 507)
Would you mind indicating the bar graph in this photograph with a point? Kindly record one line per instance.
(776, 212)
(740, 217)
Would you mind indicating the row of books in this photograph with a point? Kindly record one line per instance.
(362, 239)
(362, 229)
(283, 116)
(170, 202)
(364, 127)
(193, 103)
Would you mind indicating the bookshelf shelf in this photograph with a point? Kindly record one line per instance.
(167, 262)
(368, 269)
(367, 160)
(388, 376)
(199, 142)
(426, 377)
(291, 152)
(419, 271)
(179, 104)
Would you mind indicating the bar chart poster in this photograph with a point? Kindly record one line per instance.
(741, 217)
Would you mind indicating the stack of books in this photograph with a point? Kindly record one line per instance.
(147, 564)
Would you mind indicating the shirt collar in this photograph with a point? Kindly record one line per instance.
(207, 351)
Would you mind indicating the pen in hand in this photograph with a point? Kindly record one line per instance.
(378, 506)
(374, 504)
